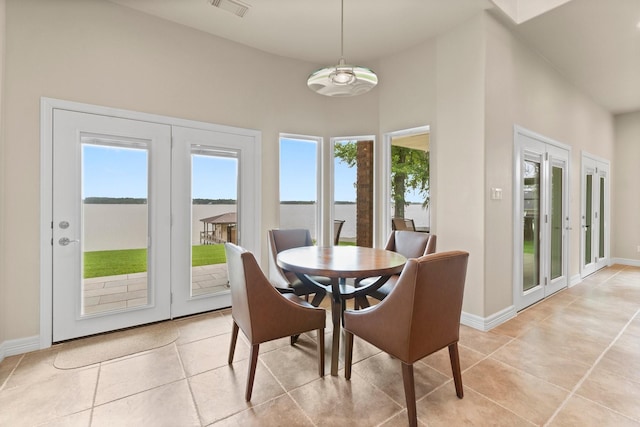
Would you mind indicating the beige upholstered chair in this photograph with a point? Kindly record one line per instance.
(287, 281)
(420, 316)
(263, 313)
(410, 244)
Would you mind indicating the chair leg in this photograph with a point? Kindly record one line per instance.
(348, 354)
(317, 298)
(410, 393)
(455, 367)
(320, 343)
(234, 338)
(253, 362)
(361, 302)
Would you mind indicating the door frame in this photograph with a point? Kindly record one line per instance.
(383, 219)
(521, 301)
(251, 241)
(599, 164)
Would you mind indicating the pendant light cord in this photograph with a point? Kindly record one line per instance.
(342, 30)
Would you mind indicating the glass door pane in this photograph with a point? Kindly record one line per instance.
(345, 176)
(214, 195)
(588, 214)
(601, 220)
(557, 187)
(531, 225)
(115, 226)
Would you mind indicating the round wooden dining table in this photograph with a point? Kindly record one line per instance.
(341, 263)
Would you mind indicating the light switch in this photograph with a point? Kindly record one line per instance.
(496, 193)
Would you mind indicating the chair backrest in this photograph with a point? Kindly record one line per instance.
(422, 312)
(281, 240)
(239, 263)
(337, 228)
(403, 224)
(411, 244)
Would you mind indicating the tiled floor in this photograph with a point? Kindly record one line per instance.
(572, 360)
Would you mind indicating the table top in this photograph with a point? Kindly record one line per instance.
(341, 261)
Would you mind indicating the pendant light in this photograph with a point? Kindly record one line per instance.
(342, 79)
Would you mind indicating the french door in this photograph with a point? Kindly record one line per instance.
(542, 218)
(126, 159)
(139, 212)
(594, 216)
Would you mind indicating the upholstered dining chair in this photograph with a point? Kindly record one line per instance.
(263, 313)
(287, 281)
(410, 244)
(420, 316)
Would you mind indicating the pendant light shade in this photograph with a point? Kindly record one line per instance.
(342, 79)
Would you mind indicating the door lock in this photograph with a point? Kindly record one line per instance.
(64, 241)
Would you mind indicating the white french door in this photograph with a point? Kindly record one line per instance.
(594, 216)
(207, 165)
(96, 151)
(138, 211)
(542, 218)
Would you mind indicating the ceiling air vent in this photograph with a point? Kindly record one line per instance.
(234, 6)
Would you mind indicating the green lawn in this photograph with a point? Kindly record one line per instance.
(126, 261)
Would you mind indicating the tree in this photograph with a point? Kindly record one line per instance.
(409, 171)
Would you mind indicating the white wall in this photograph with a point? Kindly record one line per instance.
(626, 176)
(101, 53)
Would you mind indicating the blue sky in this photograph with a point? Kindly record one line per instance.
(122, 172)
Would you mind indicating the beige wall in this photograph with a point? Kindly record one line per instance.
(100, 53)
(523, 89)
(626, 176)
(3, 318)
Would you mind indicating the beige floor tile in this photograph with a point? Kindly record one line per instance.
(525, 395)
(202, 326)
(220, 393)
(399, 420)
(623, 358)
(54, 397)
(7, 366)
(542, 363)
(295, 365)
(385, 372)
(210, 353)
(584, 347)
(281, 411)
(615, 392)
(333, 401)
(167, 405)
(144, 371)
(79, 419)
(482, 342)
(34, 367)
(581, 412)
(440, 360)
(514, 327)
(443, 408)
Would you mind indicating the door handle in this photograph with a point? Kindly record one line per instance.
(64, 241)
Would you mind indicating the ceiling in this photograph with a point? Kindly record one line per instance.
(595, 43)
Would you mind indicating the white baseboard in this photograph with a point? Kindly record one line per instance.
(488, 323)
(626, 261)
(19, 346)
